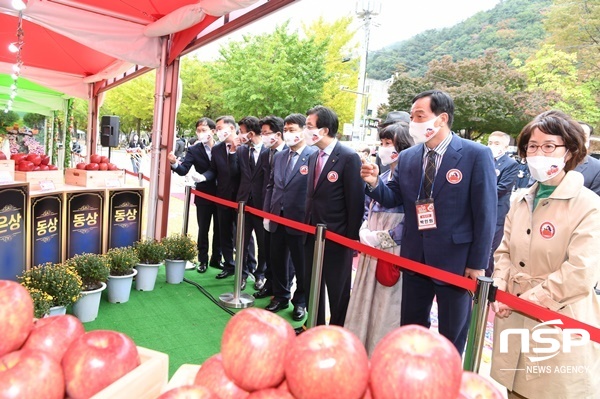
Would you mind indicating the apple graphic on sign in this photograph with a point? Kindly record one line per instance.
(97, 359)
(327, 362)
(16, 315)
(414, 362)
(28, 374)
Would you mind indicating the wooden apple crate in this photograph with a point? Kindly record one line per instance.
(94, 178)
(185, 375)
(7, 168)
(36, 178)
(146, 381)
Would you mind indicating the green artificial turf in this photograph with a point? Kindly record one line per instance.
(177, 319)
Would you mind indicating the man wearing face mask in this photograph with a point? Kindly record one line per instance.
(447, 186)
(590, 167)
(507, 170)
(199, 156)
(286, 196)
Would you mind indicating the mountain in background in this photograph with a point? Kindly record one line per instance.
(513, 27)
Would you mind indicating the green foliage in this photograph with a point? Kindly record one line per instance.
(276, 73)
(92, 268)
(34, 121)
(180, 247)
(149, 251)
(122, 260)
(8, 119)
(42, 302)
(60, 282)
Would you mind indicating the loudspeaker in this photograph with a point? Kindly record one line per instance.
(109, 131)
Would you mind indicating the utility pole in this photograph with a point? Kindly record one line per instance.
(366, 10)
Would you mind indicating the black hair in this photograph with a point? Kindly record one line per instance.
(252, 124)
(206, 121)
(441, 102)
(325, 118)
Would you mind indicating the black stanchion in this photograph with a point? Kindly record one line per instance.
(484, 294)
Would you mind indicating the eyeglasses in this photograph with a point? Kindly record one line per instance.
(546, 148)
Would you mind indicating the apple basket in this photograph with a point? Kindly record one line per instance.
(38, 178)
(94, 178)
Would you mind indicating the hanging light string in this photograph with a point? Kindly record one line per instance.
(16, 47)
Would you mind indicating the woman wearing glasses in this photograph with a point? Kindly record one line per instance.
(550, 256)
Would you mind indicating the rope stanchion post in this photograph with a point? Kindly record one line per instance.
(485, 293)
(186, 209)
(238, 299)
(315, 278)
(141, 179)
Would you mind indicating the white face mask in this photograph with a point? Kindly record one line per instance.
(497, 151)
(387, 155)
(268, 140)
(422, 132)
(292, 139)
(204, 137)
(244, 138)
(312, 136)
(545, 168)
(223, 134)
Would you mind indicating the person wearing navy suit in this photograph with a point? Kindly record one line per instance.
(334, 198)
(457, 235)
(286, 196)
(507, 170)
(590, 167)
(251, 164)
(199, 156)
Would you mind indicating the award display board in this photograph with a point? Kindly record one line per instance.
(125, 216)
(13, 237)
(46, 229)
(85, 222)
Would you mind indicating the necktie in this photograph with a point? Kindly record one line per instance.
(290, 166)
(319, 166)
(429, 173)
(272, 152)
(252, 162)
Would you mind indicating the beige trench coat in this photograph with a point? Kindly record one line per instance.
(550, 257)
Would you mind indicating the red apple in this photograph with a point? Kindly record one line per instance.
(18, 157)
(44, 167)
(45, 160)
(102, 166)
(92, 166)
(97, 359)
(95, 158)
(212, 375)
(368, 394)
(30, 374)
(253, 347)
(16, 316)
(327, 362)
(189, 392)
(104, 159)
(112, 166)
(270, 393)
(412, 362)
(81, 165)
(477, 387)
(52, 167)
(2, 156)
(34, 158)
(54, 334)
(36, 168)
(26, 166)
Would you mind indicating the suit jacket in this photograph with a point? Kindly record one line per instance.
(507, 170)
(337, 200)
(227, 183)
(465, 211)
(590, 169)
(290, 193)
(197, 157)
(253, 183)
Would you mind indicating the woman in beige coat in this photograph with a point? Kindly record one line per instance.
(550, 255)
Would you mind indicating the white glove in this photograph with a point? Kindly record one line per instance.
(198, 178)
(369, 238)
(267, 224)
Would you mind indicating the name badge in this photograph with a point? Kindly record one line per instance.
(425, 214)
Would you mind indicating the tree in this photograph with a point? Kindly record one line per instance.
(34, 121)
(276, 73)
(338, 40)
(8, 119)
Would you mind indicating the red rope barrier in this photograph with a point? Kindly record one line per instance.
(136, 175)
(516, 303)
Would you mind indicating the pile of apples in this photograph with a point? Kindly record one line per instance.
(97, 162)
(262, 358)
(54, 357)
(31, 162)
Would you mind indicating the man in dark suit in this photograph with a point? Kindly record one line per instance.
(335, 198)
(286, 196)
(251, 164)
(590, 167)
(199, 157)
(507, 170)
(448, 188)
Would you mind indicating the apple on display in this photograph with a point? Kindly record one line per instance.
(474, 386)
(54, 334)
(189, 392)
(27, 374)
(212, 375)
(16, 315)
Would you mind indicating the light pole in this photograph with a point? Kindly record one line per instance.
(365, 10)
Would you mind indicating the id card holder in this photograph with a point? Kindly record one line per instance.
(425, 214)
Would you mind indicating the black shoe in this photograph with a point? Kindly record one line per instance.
(299, 313)
(201, 268)
(275, 305)
(224, 274)
(263, 293)
(243, 286)
(216, 264)
(260, 283)
(300, 330)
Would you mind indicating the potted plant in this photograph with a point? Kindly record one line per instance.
(60, 282)
(180, 248)
(42, 302)
(122, 262)
(93, 270)
(151, 254)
